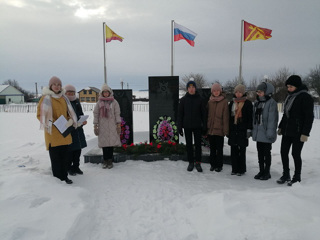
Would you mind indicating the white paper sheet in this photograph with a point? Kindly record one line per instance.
(60, 123)
(83, 118)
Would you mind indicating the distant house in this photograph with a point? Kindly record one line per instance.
(89, 95)
(9, 94)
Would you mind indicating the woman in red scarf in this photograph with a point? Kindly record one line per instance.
(240, 126)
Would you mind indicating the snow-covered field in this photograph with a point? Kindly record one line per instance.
(149, 200)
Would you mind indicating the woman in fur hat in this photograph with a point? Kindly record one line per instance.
(78, 137)
(240, 126)
(264, 132)
(51, 106)
(107, 124)
(218, 125)
(295, 127)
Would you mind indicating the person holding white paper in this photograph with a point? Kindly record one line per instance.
(78, 137)
(51, 106)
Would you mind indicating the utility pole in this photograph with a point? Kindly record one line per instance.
(121, 82)
(36, 91)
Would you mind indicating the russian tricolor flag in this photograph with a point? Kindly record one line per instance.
(181, 32)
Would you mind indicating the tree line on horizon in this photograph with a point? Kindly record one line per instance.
(312, 80)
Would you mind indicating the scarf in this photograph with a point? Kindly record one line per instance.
(237, 108)
(289, 101)
(105, 106)
(216, 99)
(46, 118)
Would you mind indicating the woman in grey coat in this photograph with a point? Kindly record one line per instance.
(107, 124)
(264, 132)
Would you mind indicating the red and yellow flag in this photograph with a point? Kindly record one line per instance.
(252, 32)
(111, 35)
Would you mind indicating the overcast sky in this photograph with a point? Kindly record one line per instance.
(42, 38)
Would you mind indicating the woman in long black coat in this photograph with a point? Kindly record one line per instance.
(240, 126)
(295, 127)
(78, 137)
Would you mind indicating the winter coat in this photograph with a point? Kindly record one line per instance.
(218, 117)
(108, 136)
(266, 130)
(192, 112)
(78, 137)
(300, 117)
(238, 132)
(59, 107)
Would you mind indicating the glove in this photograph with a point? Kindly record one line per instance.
(69, 123)
(180, 132)
(279, 132)
(248, 133)
(96, 129)
(119, 128)
(303, 138)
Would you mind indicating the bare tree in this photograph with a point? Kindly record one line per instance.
(278, 81)
(313, 80)
(199, 79)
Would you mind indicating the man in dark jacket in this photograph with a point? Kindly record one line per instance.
(192, 117)
(295, 126)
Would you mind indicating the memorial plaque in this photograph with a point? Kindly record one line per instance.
(124, 98)
(205, 93)
(163, 108)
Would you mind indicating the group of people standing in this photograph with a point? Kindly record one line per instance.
(238, 120)
(65, 148)
(241, 119)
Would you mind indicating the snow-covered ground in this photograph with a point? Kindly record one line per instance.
(149, 200)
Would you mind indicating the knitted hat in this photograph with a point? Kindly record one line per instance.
(240, 88)
(262, 87)
(105, 87)
(216, 87)
(294, 80)
(191, 83)
(53, 80)
(70, 88)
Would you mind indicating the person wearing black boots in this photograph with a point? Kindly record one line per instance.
(295, 127)
(192, 118)
(264, 132)
(240, 127)
(78, 137)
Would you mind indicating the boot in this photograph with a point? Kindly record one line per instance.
(68, 181)
(109, 164)
(198, 167)
(296, 178)
(78, 171)
(260, 174)
(266, 175)
(190, 166)
(285, 178)
(104, 164)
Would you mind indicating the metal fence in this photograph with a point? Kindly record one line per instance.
(138, 107)
(86, 107)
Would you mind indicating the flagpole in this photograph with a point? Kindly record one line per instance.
(172, 46)
(104, 52)
(240, 67)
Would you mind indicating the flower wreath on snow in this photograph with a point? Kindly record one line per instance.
(163, 148)
(125, 132)
(165, 130)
